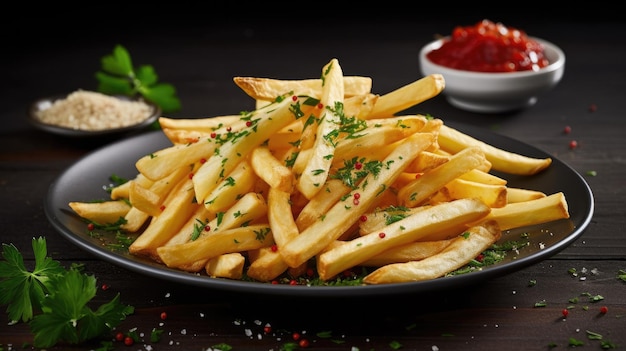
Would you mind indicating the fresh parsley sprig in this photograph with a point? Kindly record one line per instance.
(54, 300)
(119, 76)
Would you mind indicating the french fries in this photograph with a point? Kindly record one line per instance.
(465, 247)
(323, 175)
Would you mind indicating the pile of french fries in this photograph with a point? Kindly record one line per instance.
(323, 175)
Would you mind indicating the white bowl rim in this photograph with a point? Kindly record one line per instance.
(549, 47)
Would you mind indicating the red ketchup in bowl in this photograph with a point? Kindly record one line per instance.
(489, 47)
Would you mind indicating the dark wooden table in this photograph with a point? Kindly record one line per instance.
(200, 56)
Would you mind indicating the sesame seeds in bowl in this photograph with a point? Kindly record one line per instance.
(86, 113)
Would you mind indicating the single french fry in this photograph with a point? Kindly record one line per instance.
(454, 141)
(144, 200)
(382, 217)
(208, 125)
(121, 191)
(105, 212)
(316, 170)
(196, 224)
(414, 251)
(372, 138)
(476, 175)
(345, 213)
(461, 251)
(184, 136)
(135, 220)
(226, 266)
(161, 163)
(426, 161)
(231, 240)
(266, 264)
(418, 190)
(437, 218)
(408, 96)
(280, 216)
(359, 106)
(520, 195)
(269, 89)
(272, 171)
(238, 182)
(493, 196)
(264, 123)
(520, 214)
(315, 208)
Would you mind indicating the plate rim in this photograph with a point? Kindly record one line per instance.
(159, 271)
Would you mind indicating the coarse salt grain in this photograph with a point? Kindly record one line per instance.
(88, 110)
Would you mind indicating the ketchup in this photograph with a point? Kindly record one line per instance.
(489, 47)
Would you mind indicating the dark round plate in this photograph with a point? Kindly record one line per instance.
(84, 181)
(80, 133)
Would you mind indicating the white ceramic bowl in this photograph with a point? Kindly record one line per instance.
(496, 92)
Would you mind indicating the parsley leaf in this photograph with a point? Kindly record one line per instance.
(53, 300)
(20, 289)
(118, 76)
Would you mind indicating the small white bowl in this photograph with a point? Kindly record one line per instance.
(488, 92)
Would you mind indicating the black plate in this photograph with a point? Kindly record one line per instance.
(84, 181)
(79, 133)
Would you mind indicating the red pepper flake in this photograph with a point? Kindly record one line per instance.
(320, 106)
(382, 235)
(567, 130)
(274, 282)
(203, 160)
(162, 208)
(304, 343)
(293, 282)
(267, 329)
(128, 341)
(565, 312)
(480, 258)
(207, 228)
(248, 123)
(593, 108)
(163, 315)
(355, 201)
(418, 175)
(190, 176)
(358, 165)
(294, 98)
(573, 144)
(363, 218)
(91, 227)
(213, 135)
(604, 309)
(228, 129)
(274, 248)
(310, 272)
(105, 287)
(119, 336)
(296, 336)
